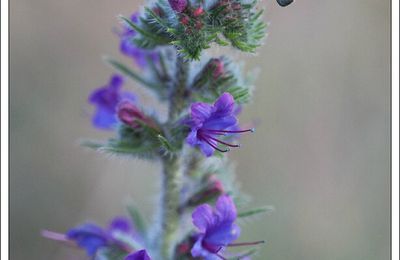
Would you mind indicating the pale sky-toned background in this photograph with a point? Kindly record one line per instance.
(320, 154)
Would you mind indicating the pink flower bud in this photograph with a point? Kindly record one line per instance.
(130, 114)
(213, 189)
(218, 67)
(185, 20)
(197, 12)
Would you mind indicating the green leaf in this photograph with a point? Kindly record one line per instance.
(144, 33)
(144, 151)
(255, 211)
(138, 220)
(165, 143)
(130, 73)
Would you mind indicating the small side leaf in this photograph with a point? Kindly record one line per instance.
(256, 211)
(138, 220)
(130, 73)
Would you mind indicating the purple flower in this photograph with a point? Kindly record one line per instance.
(208, 122)
(130, 49)
(216, 228)
(92, 237)
(138, 255)
(178, 5)
(106, 99)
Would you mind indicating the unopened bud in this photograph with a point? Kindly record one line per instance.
(197, 12)
(130, 114)
(178, 5)
(212, 190)
(217, 66)
(185, 20)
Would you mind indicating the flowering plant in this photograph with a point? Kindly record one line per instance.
(204, 95)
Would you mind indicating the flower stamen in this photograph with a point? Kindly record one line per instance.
(230, 131)
(214, 146)
(222, 142)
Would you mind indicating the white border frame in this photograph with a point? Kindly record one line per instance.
(5, 129)
(395, 129)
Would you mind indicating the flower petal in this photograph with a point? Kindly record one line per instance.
(104, 118)
(226, 209)
(116, 81)
(88, 236)
(224, 105)
(206, 148)
(203, 217)
(121, 224)
(200, 112)
(220, 123)
(192, 138)
(138, 255)
(199, 251)
(223, 234)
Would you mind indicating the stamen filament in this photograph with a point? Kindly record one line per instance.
(230, 131)
(214, 146)
(222, 142)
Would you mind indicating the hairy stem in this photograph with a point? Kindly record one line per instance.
(178, 91)
(172, 169)
(172, 177)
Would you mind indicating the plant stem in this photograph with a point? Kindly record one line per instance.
(172, 177)
(178, 91)
(172, 169)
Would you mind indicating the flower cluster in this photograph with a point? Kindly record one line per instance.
(204, 97)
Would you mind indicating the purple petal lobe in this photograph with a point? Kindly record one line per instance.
(203, 217)
(106, 100)
(224, 104)
(226, 209)
(138, 255)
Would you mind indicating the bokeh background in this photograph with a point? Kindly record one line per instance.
(320, 155)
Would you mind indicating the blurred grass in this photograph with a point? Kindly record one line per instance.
(320, 155)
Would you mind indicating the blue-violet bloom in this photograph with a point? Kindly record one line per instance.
(217, 228)
(138, 255)
(106, 99)
(130, 49)
(208, 122)
(92, 237)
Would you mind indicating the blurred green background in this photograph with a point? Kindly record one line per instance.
(320, 154)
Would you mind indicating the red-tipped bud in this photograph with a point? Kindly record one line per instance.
(178, 5)
(131, 115)
(198, 11)
(199, 25)
(183, 248)
(158, 11)
(236, 6)
(217, 67)
(185, 20)
(213, 189)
